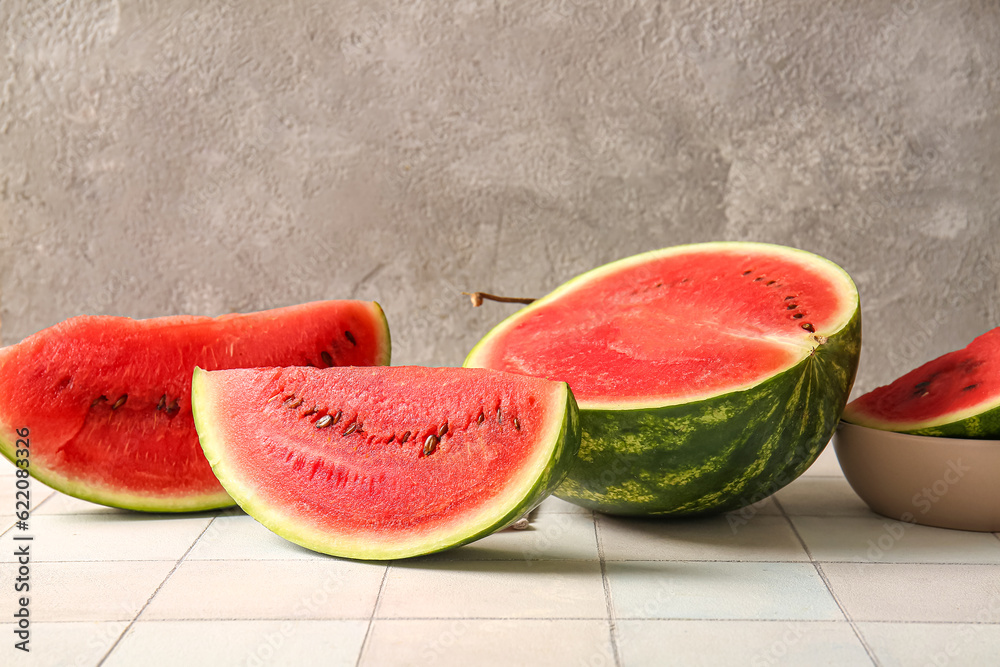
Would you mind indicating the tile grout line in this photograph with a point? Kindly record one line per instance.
(153, 594)
(396, 619)
(829, 589)
(44, 500)
(609, 604)
(31, 512)
(371, 619)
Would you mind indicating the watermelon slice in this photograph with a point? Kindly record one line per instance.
(382, 463)
(956, 395)
(107, 400)
(708, 375)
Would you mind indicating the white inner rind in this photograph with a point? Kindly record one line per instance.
(385, 339)
(480, 356)
(210, 413)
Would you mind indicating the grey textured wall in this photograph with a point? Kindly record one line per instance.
(204, 157)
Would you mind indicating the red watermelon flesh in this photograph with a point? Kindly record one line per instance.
(107, 400)
(675, 326)
(378, 463)
(956, 395)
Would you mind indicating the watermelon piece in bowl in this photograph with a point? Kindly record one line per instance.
(388, 462)
(708, 375)
(956, 395)
(106, 401)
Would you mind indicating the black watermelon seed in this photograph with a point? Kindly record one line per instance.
(971, 386)
(349, 336)
(798, 315)
(98, 400)
(324, 421)
(120, 402)
(808, 327)
(430, 444)
(327, 359)
(336, 417)
(351, 429)
(443, 430)
(406, 436)
(748, 272)
(791, 306)
(162, 405)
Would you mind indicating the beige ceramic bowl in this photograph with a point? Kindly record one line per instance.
(945, 482)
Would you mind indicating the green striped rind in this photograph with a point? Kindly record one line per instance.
(106, 495)
(985, 425)
(720, 453)
(562, 449)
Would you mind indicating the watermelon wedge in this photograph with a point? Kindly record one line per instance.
(383, 463)
(107, 400)
(956, 395)
(708, 375)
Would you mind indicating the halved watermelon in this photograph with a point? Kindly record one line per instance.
(708, 375)
(956, 395)
(382, 463)
(107, 400)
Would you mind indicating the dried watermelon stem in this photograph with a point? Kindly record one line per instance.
(478, 297)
